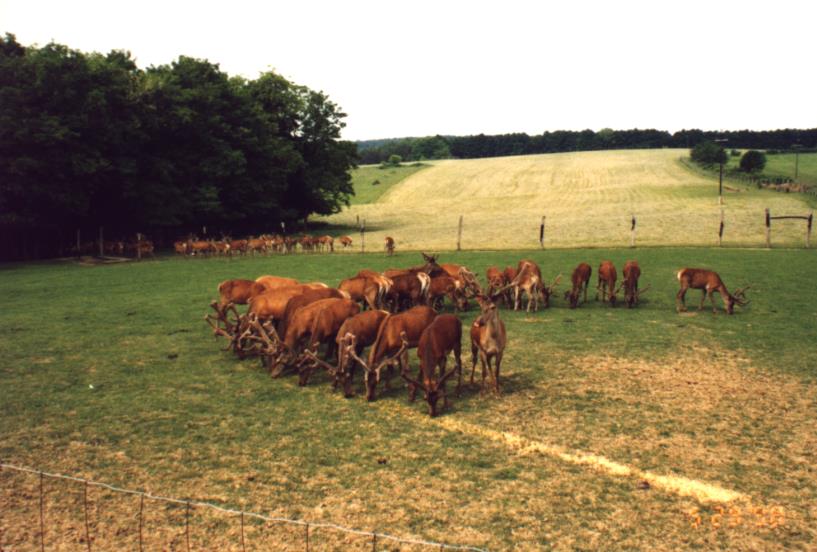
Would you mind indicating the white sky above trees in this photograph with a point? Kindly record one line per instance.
(457, 67)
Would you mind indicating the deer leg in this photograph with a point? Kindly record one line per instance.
(474, 353)
(483, 360)
(497, 362)
(712, 299)
(680, 300)
(446, 404)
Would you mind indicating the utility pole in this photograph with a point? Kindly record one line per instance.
(720, 177)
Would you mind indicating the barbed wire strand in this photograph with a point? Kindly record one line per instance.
(197, 504)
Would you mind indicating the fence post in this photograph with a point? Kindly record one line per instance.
(101, 243)
(720, 230)
(808, 228)
(542, 233)
(768, 229)
(632, 232)
(459, 234)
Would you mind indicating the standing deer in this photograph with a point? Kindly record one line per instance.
(389, 246)
(580, 280)
(439, 338)
(607, 282)
(488, 339)
(632, 272)
(708, 282)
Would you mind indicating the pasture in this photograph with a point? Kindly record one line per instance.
(617, 428)
(587, 197)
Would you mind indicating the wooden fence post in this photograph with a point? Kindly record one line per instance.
(808, 229)
(768, 229)
(101, 243)
(542, 233)
(720, 230)
(459, 234)
(632, 232)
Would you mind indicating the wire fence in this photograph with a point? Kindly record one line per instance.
(309, 527)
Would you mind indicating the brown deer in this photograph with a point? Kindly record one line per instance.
(632, 272)
(388, 347)
(444, 285)
(356, 333)
(273, 282)
(580, 280)
(345, 241)
(708, 282)
(236, 291)
(438, 339)
(389, 241)
(325, 326)
(408, 290)
(496, 280)
(607, 282)
(488, 339)
(510, 274)
(238, 246)
(529, 280)
(307, 297)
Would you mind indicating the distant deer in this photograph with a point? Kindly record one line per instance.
(708, 282)
(607, 282)
(580, 280)
(389, 246)
(488, 339)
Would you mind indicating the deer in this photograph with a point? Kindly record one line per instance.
(301, 326)
(709, 282)
(510, 274)
(438, 340)
(356, 333)
(529, 280)
(607, 282)
(345, 241)
(397, 333)
(632, 272)
(580, 280)
(496, 280)
(307, 297)
(325, 326)
(408, 290)
(488, 340)
(442, 286)
(389, 245)
(238, 246)
(272, 282)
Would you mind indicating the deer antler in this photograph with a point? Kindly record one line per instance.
(395, 357)
(739, 296)
(641, 291)
(555, 283)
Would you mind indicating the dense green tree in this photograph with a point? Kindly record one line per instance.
(753, 161)
(708, 154)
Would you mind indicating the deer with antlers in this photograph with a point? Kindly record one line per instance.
(632, 272)
(438, 340)
(580, 280)
(396, 334)
(529, 280)
(488, 339)
(607, 282)
(709, 282)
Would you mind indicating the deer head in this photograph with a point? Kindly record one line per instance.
(738, 297)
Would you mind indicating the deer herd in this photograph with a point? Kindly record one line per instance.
(392, 312)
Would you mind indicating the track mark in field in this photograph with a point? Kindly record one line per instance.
(682, 486)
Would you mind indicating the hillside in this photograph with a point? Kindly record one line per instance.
(588, 198)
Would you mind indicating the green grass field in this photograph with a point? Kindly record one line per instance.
(782, 165)
(364, 178)
(587, 197)
(110, 373)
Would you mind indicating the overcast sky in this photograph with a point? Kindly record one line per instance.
(447, 67)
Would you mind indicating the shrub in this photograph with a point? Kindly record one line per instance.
(753, 161)
(708, 154)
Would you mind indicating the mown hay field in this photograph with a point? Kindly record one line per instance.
(587, 197)
(618, 429)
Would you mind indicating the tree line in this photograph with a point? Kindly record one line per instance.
(90, 140)
(481, 145)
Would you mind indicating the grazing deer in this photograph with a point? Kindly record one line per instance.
(389, 246)
(180, 247)
(529, 280)
(408, 290)
(307, 297)
(510, 274)
(238, 246)
(389, 346)
(708, 282)
(236, 291)
(607, 282)
(632, 272)
(325, 326)
(268, 283)
(488, 339)
(580, 280)
(356, 333)
(468, 283)
(438, 339)
(496, 280)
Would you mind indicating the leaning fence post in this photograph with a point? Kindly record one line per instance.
(720, 230)
(808, 228)
(632, 232)
(85, 502)
(768, 229)
(542, 233)
(42, 516)
(459, 234)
